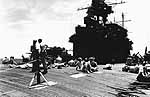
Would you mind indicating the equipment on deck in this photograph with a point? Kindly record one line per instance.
(38, 73)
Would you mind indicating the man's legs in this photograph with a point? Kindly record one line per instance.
(44, 65)
(33, 67)
(87, 68)
(93, 69)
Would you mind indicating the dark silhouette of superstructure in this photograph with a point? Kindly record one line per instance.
(106, 41)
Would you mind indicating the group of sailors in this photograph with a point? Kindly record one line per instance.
(87, 65)
(9, 60)
(38, 50)
(38, 57)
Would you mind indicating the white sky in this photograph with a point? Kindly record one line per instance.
(54, 21)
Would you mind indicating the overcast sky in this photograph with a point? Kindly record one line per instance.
(54, 21)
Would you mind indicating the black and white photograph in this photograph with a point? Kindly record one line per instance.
(74, 48)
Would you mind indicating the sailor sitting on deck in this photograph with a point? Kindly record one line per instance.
(87, 66)
(12, 63)
(79, 64)
(143, 75)
(93, 64)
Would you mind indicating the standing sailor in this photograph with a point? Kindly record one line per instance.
(42, 54)
(34, 55)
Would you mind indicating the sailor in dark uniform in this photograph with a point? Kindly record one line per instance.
(42, 54)
(34, 55)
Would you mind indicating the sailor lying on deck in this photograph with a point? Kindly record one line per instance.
(108, 67)
(58, 63)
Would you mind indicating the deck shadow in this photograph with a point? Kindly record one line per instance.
(127, 92)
